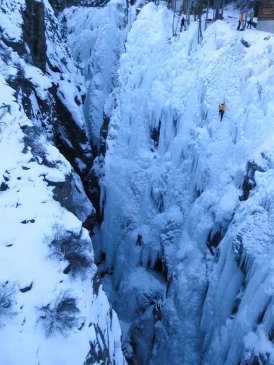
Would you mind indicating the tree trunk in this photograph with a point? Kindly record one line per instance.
(200, 34)
(207, 9)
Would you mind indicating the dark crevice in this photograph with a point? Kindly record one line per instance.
(160, 268)
(103, 135)
(249, 182)
(214, 238)
(155, 136)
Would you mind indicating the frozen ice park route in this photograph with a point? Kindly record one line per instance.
(189, 182)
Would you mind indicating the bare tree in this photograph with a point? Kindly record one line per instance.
(198, 11)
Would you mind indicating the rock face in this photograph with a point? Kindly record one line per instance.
(60, 5)
(34, 32)
(48, 295)
(62, 111)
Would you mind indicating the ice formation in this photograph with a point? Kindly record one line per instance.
(197, 287)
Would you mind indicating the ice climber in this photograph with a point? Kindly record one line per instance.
(250, 21)
(222, 110)
(183, 21)
(139, 240)
(241, 18)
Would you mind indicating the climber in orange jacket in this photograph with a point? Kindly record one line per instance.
(222, 108)
(241, 19)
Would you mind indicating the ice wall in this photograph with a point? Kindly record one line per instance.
(187, 230)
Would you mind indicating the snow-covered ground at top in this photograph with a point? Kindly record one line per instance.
(50, 312)
(197, 288)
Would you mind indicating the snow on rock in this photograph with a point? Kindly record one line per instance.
(53, 310)
(11, 20)
(196, 190)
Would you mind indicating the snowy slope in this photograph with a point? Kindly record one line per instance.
(53, 310)
(197, 289)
